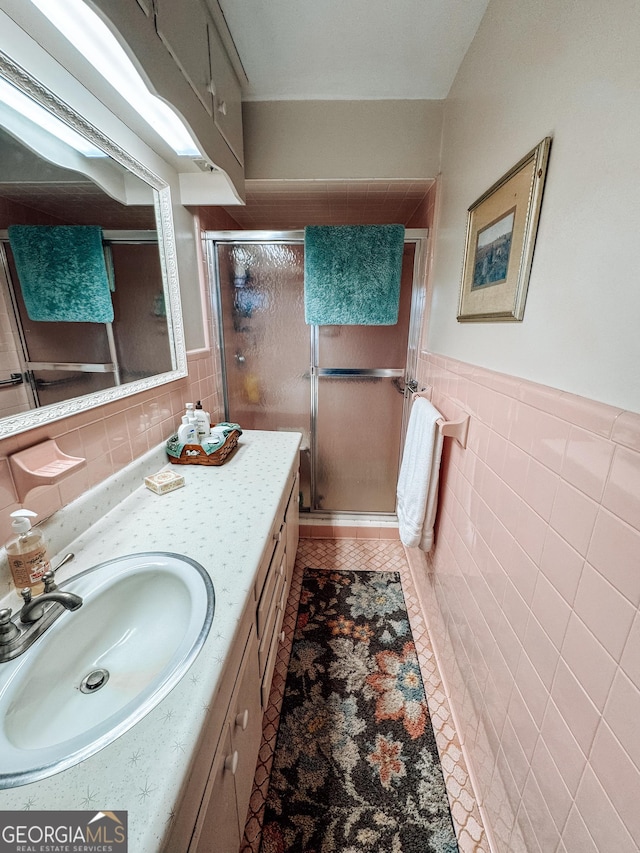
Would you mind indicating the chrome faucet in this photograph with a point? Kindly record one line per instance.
(36, 615)
(34, 610)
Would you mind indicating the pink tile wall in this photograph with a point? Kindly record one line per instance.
(532, 595)
(109, 437)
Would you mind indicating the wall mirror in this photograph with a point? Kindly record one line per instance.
(65, 203)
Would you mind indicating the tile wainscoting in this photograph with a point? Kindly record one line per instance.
(110, 436)
(531, 596)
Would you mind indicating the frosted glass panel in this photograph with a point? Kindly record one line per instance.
(371, 346)
(358, 438)
(139, 328)
(266, 341)
(275, 363)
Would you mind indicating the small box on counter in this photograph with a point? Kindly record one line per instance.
(164, 481)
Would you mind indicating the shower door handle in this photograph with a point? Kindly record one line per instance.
(16, 379)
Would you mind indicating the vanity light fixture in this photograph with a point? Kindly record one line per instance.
(25, 106)
(88, 33)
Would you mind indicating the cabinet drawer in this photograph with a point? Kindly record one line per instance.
(277, 541)
(274, 615)
(269, 593)
(292, 519)
(276, 639)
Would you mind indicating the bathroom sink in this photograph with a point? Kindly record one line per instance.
(98, 670)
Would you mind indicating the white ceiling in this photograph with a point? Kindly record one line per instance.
(351, 49)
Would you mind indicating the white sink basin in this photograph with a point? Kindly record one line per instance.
(143, 621)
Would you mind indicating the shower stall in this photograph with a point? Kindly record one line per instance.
(345, 388)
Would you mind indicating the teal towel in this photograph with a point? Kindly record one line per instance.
(352, 274)
(62, 272)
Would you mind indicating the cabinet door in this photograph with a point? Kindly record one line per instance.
(219, 832)
(183, 27)
(128, 17)
(246, 728)
(227, 103)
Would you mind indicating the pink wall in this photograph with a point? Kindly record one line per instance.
(532, 594)
(109, 437)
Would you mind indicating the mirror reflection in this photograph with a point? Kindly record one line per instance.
(84, 307)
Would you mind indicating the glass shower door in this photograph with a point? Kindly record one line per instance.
(265, 340)
(340, 386)
(358, 374)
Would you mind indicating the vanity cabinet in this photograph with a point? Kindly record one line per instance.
(212, 813)
(272, 585)
(220, 824)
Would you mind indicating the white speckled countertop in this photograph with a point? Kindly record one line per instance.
(221, 518)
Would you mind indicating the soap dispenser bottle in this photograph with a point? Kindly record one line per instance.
(193, 421)
(27, 552)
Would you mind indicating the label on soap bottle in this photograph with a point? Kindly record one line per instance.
(28, 569)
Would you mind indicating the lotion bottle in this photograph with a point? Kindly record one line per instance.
(187, 432)
(27, 552)
(202, 418)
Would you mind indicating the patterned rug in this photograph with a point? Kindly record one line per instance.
(356, 765)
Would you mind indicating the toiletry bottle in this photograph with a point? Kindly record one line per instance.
(27, 552)
(203, 421)
(187, 432)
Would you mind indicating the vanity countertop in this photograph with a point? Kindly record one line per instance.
(221, 518)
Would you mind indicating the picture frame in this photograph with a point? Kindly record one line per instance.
(501, 234)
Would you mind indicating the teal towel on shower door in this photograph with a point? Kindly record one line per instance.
(62, 272)
(352, 274)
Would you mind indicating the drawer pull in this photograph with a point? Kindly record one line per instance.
(242, 720)
(231, 762)
(277, 536)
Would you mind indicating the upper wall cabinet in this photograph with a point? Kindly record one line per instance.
(183, 27)
(227, 102)
(192, 40)
(178, 48)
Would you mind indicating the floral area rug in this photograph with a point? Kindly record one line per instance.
(356, 766)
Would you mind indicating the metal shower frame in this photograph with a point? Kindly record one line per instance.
(416, 236)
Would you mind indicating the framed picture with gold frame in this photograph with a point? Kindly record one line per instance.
(501, 234)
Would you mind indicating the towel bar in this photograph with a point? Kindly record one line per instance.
(452, 429)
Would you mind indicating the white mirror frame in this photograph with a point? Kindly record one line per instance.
(13, 424)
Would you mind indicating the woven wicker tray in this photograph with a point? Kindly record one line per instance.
(194, 454)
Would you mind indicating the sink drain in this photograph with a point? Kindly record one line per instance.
(94, 681)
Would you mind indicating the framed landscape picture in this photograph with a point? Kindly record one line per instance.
(501, 234)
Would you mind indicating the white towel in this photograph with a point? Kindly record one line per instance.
(417, 491)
